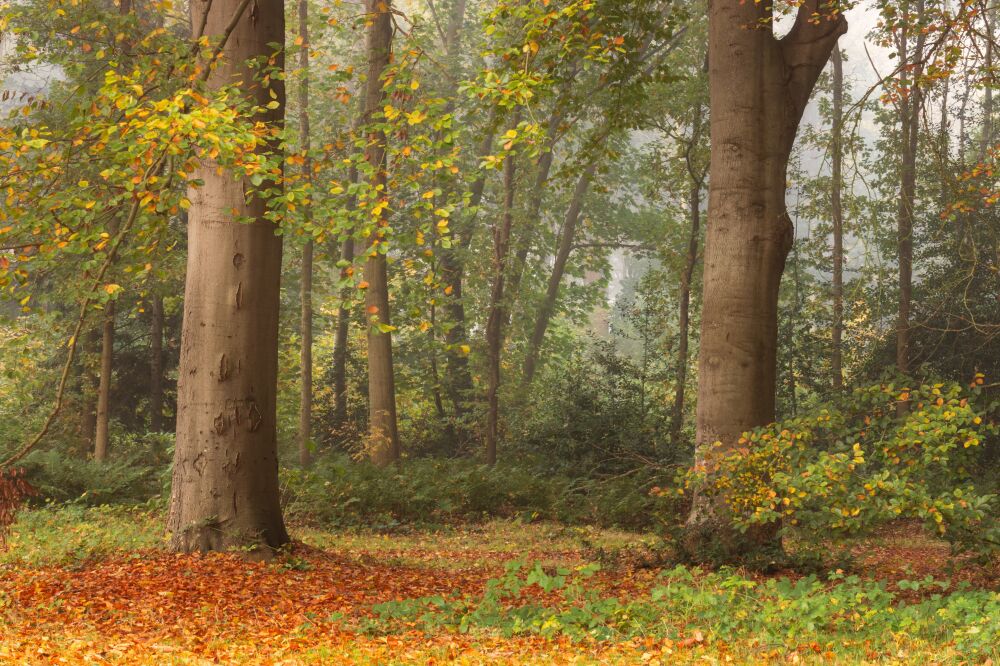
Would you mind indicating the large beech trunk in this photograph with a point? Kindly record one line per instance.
(225, 483)
(383, 436)
(102, 435)
(837, 213)
(306, 284)
(759, 87)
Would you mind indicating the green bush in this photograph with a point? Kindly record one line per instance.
(133, 473)
(861, 462)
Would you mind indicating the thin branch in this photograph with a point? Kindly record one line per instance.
(81, 320)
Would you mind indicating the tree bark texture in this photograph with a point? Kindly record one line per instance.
(759, 87)
(383, 436)
(225, 483)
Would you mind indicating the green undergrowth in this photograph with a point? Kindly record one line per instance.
(71, 534)
(838, 615)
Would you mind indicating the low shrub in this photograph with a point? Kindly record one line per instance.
(861, 462)
(692, 606)
(133, 473)
(339, 491)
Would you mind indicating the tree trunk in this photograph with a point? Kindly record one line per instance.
(909, 136)
(102, 435)
(533, 217)
(684, 298)
(458, 379)
(342, 335)
(383, 436)
(837, 213)
(986, 139)
(759, 87)
(494, 324)
(156, 364)
(567, 236)
(340, 343)
(306, 284)
(225, 483)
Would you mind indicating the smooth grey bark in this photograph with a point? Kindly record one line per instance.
(225, 482)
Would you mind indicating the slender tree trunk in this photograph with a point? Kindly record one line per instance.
(497, 315)
(759, 87)
(458, 379)
(156, 364)
(225, 483)
(340, 344)
(89, 390)
(837, 211)
(342, 335)
(567, 236)
(103, 434)
(383, 436)
(684, 316)
(986, 139)
(909, 136)
(533, 217)
(306, 284)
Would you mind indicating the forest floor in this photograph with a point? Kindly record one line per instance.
(97, 586)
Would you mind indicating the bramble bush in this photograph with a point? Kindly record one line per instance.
(880, 454)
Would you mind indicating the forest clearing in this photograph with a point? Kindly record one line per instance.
(99, 587)
(499, 331)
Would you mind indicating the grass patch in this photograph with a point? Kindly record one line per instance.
(71, 534)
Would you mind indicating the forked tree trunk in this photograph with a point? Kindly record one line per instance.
(306, 284)
(102, 434)
(567, 236)
(225, 483)
(759, 87)
(156, 363)
(497, 315)
(837, 213)
(383, 436)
